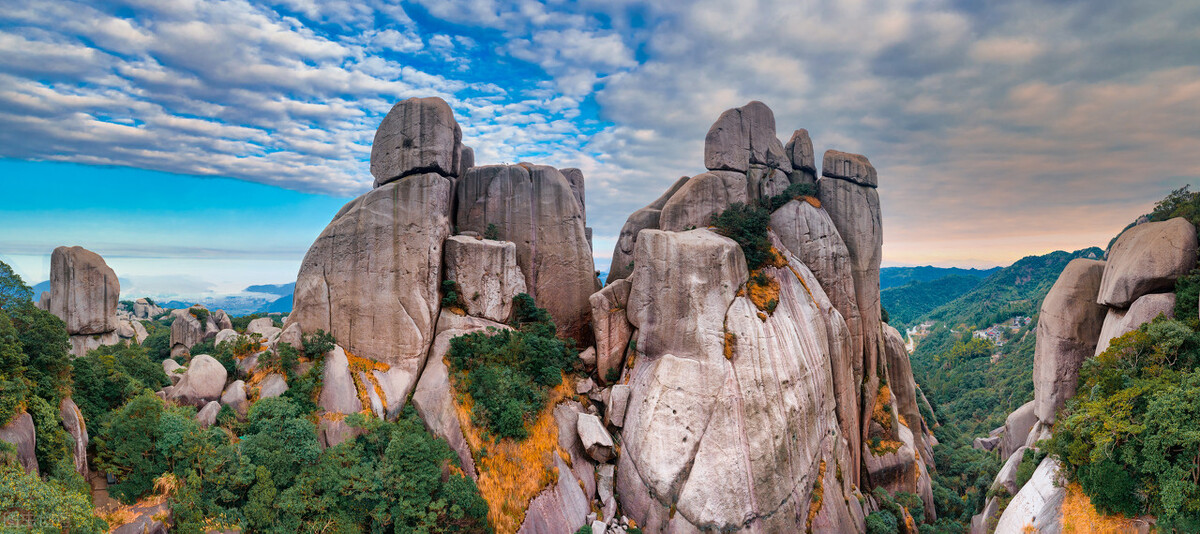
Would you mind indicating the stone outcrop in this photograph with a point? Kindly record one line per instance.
(372, 277)
(1039, 503)
(1017, 427)
(611, 327)
(146, 309)
(799, 150)
(486, 274)
(575, 178)
(187, 330)
(338, 394)
(647, 217)
(703, 196)
(533, 206)
(207, 416)
(234, 397)
(1146, 308)
(1147, 258)
(417, 136)
(73, 423)
(83, 293)
(1068, 328)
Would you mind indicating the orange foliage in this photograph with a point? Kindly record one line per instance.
(763, 295)
(818, 496)
(881, 413)
(813, 201)
(360, 367)
(730, 341)
(1080, 517)
(512, 473)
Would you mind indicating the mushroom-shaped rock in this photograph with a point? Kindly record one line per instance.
(611, 327)
(372, 277)
(595, 439)
(1147, 258)
(486, 274)
(207, 416)
(173, 370)
(76, 428)
(338, 393)
(744, 136)
(703, 196)
(83, 291)
(533, 207)
(417, 136)
(799, 150)
(1068, 328)
(203, 382)
(1146, 308)
(273, 385)
(234, 397)
(19, 433)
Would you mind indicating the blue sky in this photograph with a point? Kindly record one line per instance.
(999, 129)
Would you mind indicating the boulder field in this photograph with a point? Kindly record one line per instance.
(701, 410)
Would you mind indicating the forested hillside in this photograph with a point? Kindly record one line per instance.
(897, 276)
(912, 300)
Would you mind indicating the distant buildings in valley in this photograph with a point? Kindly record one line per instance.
(995, 333)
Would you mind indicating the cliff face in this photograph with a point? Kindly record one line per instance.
(721, 403)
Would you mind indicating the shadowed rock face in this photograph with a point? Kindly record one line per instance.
(486, 274)
(1068, 328)
(371, 278)
(534, 207)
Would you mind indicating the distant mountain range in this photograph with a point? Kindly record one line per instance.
(898, 276)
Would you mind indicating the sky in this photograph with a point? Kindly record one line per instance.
(200, 146)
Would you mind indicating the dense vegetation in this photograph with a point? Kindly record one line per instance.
(1131, 436)
(747, 223)
(906, 303)
(509, 372)
(890, 277)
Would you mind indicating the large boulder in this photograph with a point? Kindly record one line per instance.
(533, 206)
(647, 217)
(273, 385)
(417, 136)
(146, 309)
(744, 136)
(187, 330)
(595, 438)
(19, 433)
(203, 382)
(372, 277)
(1068, 328)
(703, 196)
(207, 416)
(486, 274)
(611, 327)
(1146, 308)
(575, 178)
(73, 423)
(1017, 427)
(1147, 258)
(850, 167)
(83, 291)
(234, 397)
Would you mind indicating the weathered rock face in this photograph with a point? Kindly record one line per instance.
(187, 330)
(1146, 308)
(703, 196)
(850, 167)
(735, 443)
(575, 178)
(20, 433)
(72, 420)
(622, 262)
(418, 136)
(744, 136)
(234, 396)
(809, 233)
(904, 388)
(144, 309)
(83, 291)
(1038, 503)
(203, 382)
(487, 275)
(1147, 258)
(1068, 328)
(799, 150)
(338, 394)
(273, 385)
(611, 327)
(533, 206)
(371, 279)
